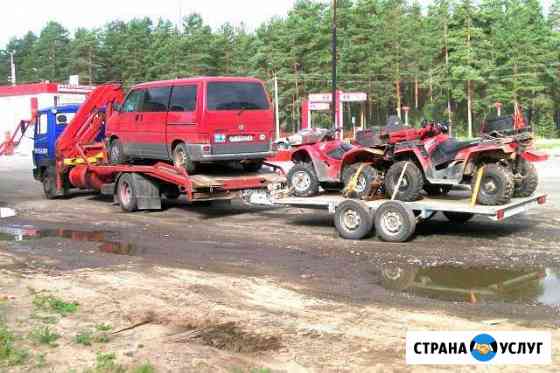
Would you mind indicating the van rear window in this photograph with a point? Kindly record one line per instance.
(236, 96)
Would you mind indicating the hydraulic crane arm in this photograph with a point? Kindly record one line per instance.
(85, 127)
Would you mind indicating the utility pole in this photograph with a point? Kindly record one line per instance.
(13, 67)
(334, 100)
(276, 111)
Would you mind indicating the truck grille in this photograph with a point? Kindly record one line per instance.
(221, 149)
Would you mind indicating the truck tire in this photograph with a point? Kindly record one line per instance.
(181, 159)
(252, 166)
(49, 185)
(437, 189)
(126, 194)
(365, 180)
(394, 222)
(303, 180)
(412, 183)
(458, 217)
(497, 185)
(353, 220)
(528, 185)
(116, 152)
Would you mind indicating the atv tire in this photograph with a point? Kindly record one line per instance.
(496, 187)
(528, 185)
(365, 182)
(437, 189)
(412, 184)
(303, 180)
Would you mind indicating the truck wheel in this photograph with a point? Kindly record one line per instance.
(252, 166)
(303, 180)
(437, 189)
(394, 222)
(412, 182)
(496, 187)
(353, 220)
(458, 217)
(49, 185)
(116, 152)
(365, 180)
(181, 159)
(126, 195)
(528, 185)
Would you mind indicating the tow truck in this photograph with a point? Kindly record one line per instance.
(72, 154)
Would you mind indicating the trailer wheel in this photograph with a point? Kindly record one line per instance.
(394, 222)
(126, 195)
(353, 220)
(458, 217)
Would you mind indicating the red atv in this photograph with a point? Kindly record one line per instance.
(320, 160)
(436, 162)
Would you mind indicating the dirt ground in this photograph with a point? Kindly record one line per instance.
(232, 288)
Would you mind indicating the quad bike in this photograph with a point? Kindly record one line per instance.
(428, 159)
(320, 160)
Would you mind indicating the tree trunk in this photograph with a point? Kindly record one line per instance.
(469, 106)
(416, 93)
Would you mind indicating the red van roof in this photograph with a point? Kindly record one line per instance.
(197, 80)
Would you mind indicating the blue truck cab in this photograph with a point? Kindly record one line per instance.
(50, 123)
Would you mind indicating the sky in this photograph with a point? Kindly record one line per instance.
(24, 15)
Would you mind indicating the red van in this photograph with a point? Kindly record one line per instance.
(193, 121)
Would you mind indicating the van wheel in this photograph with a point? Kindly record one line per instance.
(116, 152)
(181, 159)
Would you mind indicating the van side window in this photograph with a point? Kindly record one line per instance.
(183, 98)
(156, 100)
(133, 101)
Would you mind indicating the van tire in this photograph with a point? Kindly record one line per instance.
(181, 158)
(116, 152)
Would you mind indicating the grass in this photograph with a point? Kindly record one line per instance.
(107, 363)
(548, 144)
(147, 367)
(45, 336)
(83, 338)
(103, 327)
(10, 355)
(51, 303)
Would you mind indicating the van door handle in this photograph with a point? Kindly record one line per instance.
(139, 117)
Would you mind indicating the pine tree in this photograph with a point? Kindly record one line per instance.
(51, 52)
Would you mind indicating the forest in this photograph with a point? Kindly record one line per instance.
(451, 60)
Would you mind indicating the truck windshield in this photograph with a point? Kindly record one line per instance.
(236, 96)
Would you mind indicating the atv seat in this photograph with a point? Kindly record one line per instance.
(447, 151)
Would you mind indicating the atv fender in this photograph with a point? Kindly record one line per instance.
(321, 169)
(361, 155)
(534, 156)
(415, 153)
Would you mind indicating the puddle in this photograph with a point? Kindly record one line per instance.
(6, 212)
(108, 241)
(476, 285)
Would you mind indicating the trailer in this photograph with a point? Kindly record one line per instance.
(395, 221)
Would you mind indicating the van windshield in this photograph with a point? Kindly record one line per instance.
(236, 96)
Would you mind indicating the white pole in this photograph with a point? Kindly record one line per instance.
(13, 65)
(276, 110)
